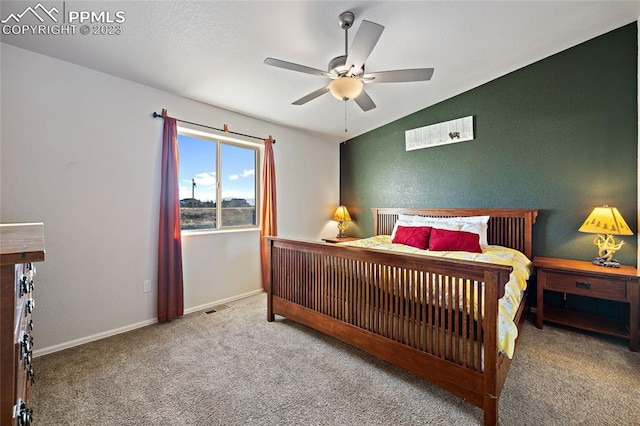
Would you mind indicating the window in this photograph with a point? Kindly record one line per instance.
(218, 182)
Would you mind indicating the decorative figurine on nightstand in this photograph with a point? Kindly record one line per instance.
(606, 220)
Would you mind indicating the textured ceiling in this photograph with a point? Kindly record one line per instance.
(213, 51)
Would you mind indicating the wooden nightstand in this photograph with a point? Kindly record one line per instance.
(585, 279)
(335, 240)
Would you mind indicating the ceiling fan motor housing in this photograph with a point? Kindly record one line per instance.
(338, 65)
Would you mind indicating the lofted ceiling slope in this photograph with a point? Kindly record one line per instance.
(213, 51)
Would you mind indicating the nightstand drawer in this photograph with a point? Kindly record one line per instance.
(586, 285)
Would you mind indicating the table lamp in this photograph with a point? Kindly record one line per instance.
(341, 216)
(607, 221)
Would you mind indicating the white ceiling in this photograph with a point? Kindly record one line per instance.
(213, 51)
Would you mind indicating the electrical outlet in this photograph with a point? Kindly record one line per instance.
(147, 286)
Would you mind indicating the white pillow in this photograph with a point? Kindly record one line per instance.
(472, 219)
(418, 218)
(441, 225)
(476, 220)
(452, 226)
(438, 222)
(476, 228)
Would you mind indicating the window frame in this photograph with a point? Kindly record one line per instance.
(219, 139)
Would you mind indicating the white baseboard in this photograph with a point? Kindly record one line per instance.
(124, 329)
(93, 337)
(221, 302)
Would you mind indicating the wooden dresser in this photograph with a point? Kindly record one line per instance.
(20, 246)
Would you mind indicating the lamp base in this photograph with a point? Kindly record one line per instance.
(341, 228)
(600, 261)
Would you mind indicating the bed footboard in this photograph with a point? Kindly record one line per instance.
(436, 318)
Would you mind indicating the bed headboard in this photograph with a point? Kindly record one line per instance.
(507, 227)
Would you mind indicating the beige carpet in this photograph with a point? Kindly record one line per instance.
(232, 367)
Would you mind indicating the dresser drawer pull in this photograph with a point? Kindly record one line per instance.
(24, 286)
(26, 344)
(25, 416)
(31, 374)
(581, 284)
(29, 307)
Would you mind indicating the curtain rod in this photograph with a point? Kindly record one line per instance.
(225, 129)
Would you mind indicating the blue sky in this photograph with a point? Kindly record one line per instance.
(198, 162)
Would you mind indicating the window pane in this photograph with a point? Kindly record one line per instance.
(197, 181)
(238, 178)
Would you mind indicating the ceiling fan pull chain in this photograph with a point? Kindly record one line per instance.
(345, 116)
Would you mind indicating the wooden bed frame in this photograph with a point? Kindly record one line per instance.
(378, 302)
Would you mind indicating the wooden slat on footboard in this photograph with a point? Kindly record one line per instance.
(434, 307)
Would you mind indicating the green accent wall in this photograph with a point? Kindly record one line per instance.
(559, 135)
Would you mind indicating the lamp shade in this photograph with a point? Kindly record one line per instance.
(605, 220)
(345, 88)
(341, 214)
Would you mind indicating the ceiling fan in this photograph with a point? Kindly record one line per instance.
(347, 72)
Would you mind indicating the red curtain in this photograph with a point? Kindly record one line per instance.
(269, 224)
(170, 290)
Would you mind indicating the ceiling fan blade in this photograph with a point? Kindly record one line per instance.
(399, 76)
(311, 96)
(365, 40)
(296, 67)
(364, 101)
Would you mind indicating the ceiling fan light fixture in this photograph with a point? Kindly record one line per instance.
(345, 88)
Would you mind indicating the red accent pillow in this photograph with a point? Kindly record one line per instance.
(446, 240)
(414, 236)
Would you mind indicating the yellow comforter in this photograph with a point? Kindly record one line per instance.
(508, 304)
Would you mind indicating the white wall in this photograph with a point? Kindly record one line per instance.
(81, 153)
